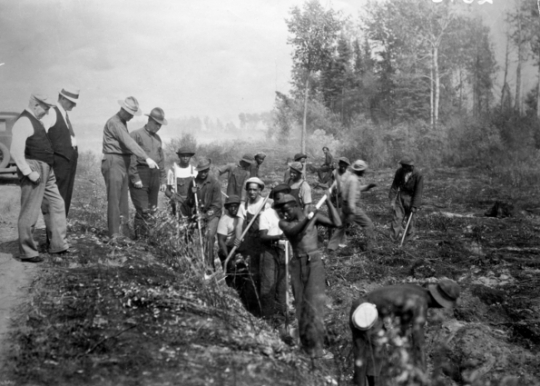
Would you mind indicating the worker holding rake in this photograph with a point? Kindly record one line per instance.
(405, 198)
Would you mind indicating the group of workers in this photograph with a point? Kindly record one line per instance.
(253, 232)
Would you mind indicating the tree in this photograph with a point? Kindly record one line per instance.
(314, 32)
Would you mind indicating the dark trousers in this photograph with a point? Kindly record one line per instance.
(308, 285)
(272, 273)
(251, 251)
(360, 218)
(401, 212)
(65, 170)
(144, 199)
(115, 172)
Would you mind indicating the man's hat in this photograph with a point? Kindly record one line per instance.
(365, 316)
(248, 158)
(285, 199)
(260, 155)
(445, 292)
(42, 98)
(280, 188)
(297, 166)
(359, 165)
(344, 160)
(407, 161)
(254, 180)
(232, 199)
(184, 150)
(130, 105)
(299, 156)
(158, 115)
(203, 164)
(71, 94)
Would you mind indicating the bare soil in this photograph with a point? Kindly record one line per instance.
(132, 315)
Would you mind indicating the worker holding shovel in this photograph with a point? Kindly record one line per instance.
(405, 199)
(204, 199)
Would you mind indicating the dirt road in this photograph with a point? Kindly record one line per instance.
(15, 277)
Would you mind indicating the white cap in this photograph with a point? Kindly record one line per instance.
(365, 316)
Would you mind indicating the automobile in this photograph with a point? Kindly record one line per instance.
(7, 120)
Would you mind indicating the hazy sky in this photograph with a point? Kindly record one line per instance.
(196, 57)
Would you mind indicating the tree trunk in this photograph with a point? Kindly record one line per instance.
(431, 94)
(517, 102)
(538, 91)
(304, 122)
(506, 55)
(437, 85)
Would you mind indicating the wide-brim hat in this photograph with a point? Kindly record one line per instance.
(40, 97)
(297, 167)
(254, 180)
(248, 158)
(130, 105)
(280, 188)
(203, 164)
(445, 292)
(260, 155)
(365, 316)
(71, 94)
(359, 165)
(232, 199)
(185, 151)
(285, 199)
(407, 161)
(344, 160)
(158, 115)
(299, 156)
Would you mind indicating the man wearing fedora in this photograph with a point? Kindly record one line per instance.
(179, 177)
(33, 154)
(351, 188)
(238, 174)
(405, 197)
(145, 183)
(209, 203)
(259, 159)
(118, 147)
(298, 157)
(300, 188)
(62, 137)
(394, 310)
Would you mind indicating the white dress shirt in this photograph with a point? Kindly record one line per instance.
(51, 119)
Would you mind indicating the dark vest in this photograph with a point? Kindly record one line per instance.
(38, 147)
(60, 136)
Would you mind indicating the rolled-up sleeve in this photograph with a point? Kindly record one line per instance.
(119, 133)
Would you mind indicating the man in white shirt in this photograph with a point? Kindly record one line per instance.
(272, 267)
(179, 177)
(62, 137)
(34, 155)
(250, 247)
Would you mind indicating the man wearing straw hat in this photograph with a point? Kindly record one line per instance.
(391, 312)
(145, 183)
(118, 147)
(62, 136)
(209, 205)
(179, 177)
(405, 197)
(238, 174)
(351, 188)
(307, 270)
(34, 156)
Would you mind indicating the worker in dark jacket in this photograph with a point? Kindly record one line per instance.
(254, 169)
(238, 174)
(393, 311)
(208, 192)
(405, 196)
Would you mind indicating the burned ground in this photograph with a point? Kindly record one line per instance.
(139, 315)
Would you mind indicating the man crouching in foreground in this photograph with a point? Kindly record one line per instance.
(307, 271)
(404, 306)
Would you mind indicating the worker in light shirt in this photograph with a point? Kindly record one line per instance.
(272, 264)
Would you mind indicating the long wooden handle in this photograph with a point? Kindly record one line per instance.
(325, 197)
(406, 229)
(199, 224)
(231, 254)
